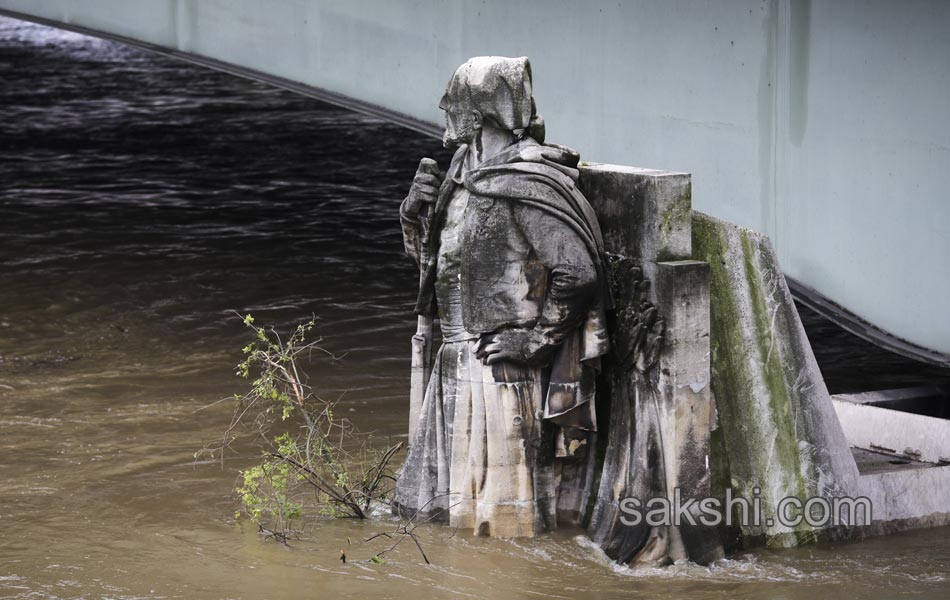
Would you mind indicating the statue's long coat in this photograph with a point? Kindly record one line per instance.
(532, 257)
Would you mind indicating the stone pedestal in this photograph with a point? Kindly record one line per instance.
(686, 406)
(656, 400)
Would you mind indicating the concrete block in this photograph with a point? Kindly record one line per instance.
(685, 401)
(644, 213)
(659, 406)
(778, 431)
(918, 437)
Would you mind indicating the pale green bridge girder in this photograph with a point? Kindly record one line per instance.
(823, 125)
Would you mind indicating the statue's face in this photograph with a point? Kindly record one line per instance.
(459, 123)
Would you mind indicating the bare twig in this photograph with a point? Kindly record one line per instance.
(407, 528)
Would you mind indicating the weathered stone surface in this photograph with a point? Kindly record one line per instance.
(685, 401)
(711, 383)
(913, 490)
(631, 444)
(778, 432)
(657, 396)
(511, 261)
(919, 437)
(644, 213)
(904, 499)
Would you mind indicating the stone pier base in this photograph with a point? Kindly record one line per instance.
(656, 382)
(711, 386)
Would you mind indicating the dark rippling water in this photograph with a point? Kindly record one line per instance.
(142, 202)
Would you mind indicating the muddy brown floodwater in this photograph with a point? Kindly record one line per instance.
(141, 202)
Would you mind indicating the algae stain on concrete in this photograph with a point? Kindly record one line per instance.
(785, 462)
(677, 211)
(730, 377)
(734, 442)
(785, 449)
(799, 32)
(756, 444)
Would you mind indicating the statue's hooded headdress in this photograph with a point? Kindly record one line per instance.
(500, 89)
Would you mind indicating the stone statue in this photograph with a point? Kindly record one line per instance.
(511, 262)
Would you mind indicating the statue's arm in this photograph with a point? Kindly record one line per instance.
(571, 287)
(411, 232)
(414, 210)
(572, 275)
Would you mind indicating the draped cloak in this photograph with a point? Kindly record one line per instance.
(530, 178)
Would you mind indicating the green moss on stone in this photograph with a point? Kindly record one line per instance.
(677, 211)
(729, 375)
(757, 441)
(785, 449)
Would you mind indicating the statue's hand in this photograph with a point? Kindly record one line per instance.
(425, 188)
(526, 346)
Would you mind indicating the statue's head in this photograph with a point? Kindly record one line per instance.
(490, 91)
